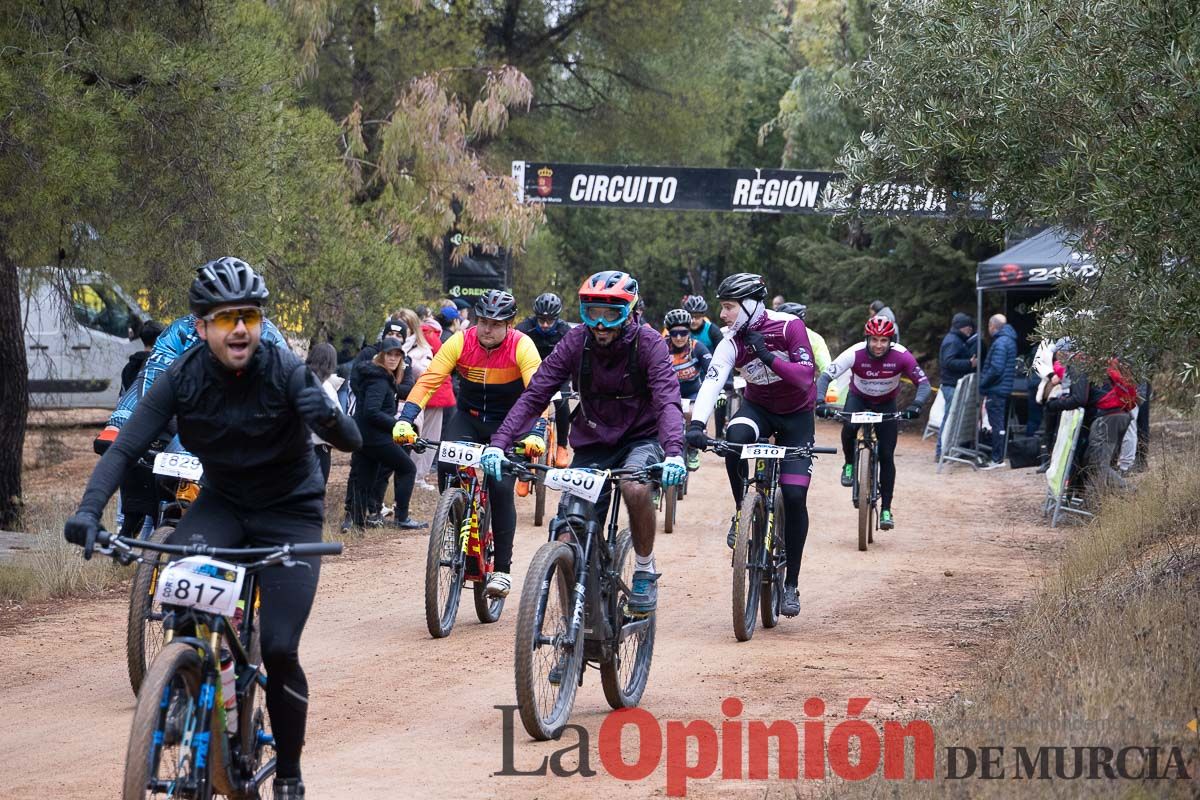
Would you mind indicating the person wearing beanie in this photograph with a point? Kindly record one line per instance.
(956, 360)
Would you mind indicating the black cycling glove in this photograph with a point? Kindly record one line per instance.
(696, 435)
(754, 340)
(81, 529)
(912, 412)
(314, 405)
(826, 411)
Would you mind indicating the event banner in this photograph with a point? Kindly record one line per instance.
(775, 191)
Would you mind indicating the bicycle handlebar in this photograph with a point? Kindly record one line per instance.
(727, 448)
(533, 471)
(888, 416)
(120, 545)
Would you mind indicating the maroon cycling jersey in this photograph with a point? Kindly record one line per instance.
(786, 386)
(875, 380)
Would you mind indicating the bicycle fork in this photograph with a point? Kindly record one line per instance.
(579, 603)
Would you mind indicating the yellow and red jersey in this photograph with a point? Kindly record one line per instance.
(490, 380)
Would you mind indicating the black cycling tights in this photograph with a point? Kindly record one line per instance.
(464, 427)
(752, 423)
(886, 433)
(287, 597)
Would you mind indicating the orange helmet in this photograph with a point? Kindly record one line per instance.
(607, 298)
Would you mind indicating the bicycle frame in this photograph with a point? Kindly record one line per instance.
(472, 545)
(596, 576)
(866, 439)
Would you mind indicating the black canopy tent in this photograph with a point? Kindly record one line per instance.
(1030, 269)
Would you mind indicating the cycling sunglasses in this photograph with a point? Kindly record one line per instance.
(677, 332)
(227, 319)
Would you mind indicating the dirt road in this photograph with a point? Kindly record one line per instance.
(397, 714)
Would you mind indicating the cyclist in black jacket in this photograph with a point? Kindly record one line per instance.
(546, 330)
(247, 409)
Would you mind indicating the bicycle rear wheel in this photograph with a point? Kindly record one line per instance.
(747, 557)
(487, 609)
(444, 563)
(772, 591)
(157, 762)
(547, 670)
(255, 737)
(143, 629)
(624, 675)
(862, 474)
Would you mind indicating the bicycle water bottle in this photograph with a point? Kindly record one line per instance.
(229, 691)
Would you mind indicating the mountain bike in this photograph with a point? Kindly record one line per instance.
(864, 492)
(188, 738)
(177, 475)
(547, 458)
(759, 553)
(573, 604)
(460, 540)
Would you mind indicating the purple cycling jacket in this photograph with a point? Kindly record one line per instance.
(612, 412)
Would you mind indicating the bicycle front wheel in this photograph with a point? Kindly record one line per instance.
(143, 629)
(445, 565)
(772, 591)
(670, 504)
(747, 560)
(624, 675)
(862, 474)
(161, 760)
(547, 668)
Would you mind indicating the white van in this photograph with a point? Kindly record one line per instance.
(80, 329)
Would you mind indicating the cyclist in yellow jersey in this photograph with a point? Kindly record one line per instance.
(494, 362)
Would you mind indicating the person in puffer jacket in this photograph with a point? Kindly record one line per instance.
(996, 382)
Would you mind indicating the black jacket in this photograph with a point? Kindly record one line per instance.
(954, 359)
(375, 394)
(543, 340)
(244, 427)
(136, 362)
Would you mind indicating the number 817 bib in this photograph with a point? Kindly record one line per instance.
(201, 583)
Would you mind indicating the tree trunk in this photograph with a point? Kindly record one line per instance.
(14, 394)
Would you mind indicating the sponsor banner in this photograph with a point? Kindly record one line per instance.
(775, 191)
(476, 272)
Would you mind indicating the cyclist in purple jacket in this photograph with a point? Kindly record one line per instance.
(876, 365)
(629, 413)
(774, 354)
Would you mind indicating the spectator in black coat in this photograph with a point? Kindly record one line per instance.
(956, 359)
(149, 333)
(378, 385)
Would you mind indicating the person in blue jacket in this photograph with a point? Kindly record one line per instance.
(996, 382)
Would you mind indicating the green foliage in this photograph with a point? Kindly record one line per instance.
(1077, 113)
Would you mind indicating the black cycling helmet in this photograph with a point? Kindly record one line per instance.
(795, 309)
(496, 304)
(742, 286)
(677, 316)
(226, 280)
(547, 304)
(694, 304)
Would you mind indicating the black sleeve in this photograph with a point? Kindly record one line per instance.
(1076, 398)
(153, 412)
(342, 433)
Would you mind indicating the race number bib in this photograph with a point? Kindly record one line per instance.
(753, 451)
(178, 465)
(865, 417)
(579, 482)
(465, 454)
(201, 583)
